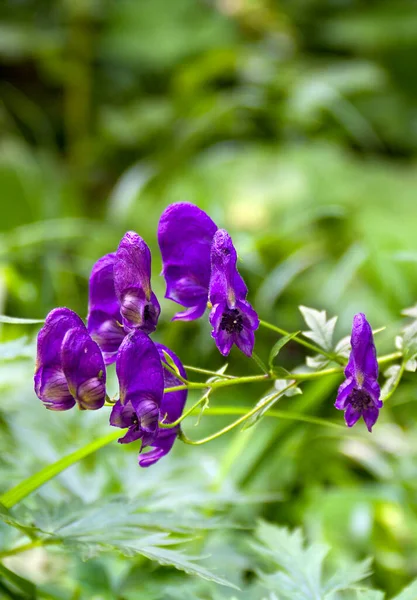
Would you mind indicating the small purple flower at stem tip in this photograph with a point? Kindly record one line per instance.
(69, 364)
(185, 234)
(360, 394)
(232, 317)
(171, 409)
(141, 382)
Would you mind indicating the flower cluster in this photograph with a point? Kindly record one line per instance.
(199, 266)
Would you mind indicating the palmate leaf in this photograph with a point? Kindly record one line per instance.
(321, 330)
(297, 568)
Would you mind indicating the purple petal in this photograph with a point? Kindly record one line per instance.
(226, 284)
(195, 312)
(139, 306)
(141, 421)
(185, 234)
(161, 447)
(234, 326)
(52, 388)
(351, 415)
(49, 383)
(139, 370)
(370, 416)
(84, 369)
(104, 318)
(372, 388)
(363, 352)
(245, 341)
(343, 394)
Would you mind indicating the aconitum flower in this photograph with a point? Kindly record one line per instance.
(171, 408)
(141, 381)
(69, 364)
(232, 317)
(120, 295)
(359, 394)
(185, 234)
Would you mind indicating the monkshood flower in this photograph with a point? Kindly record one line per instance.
(185, 234)
(120, 295)
(69, 364)
(359, 394)
(171, 408)
(141, 381)
(232, 317)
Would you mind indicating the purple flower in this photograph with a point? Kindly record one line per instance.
(141, 381)
(69, 364)
(104, 318)
(359, 394)
(139, 306)
(232, 317)
(120, 295)
(185, 234)
(171, 409)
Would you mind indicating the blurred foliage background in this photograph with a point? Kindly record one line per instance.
(293, 123)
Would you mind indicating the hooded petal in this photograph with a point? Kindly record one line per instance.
(141, 420)
(185, 234)
(83, 367)
(50, 383)
(104, 318)
(139, 306)
(363, 354)
(225, 282)
(139, 370)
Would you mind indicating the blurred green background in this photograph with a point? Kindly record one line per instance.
(293, 123)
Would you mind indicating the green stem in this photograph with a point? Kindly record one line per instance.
(28, 546)
(29, 485)
(173, 372)
(389, 357)
(208, 372)
(228, 428)
(182, 417)
(193, 385)
(302, 342)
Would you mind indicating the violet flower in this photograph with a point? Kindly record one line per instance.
(69, 364)
(185, 234)
(359, 394)
(120, 295)
(141, 380)
(232, 317)
(171, 408)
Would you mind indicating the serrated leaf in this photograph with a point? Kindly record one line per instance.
(343, 347)
(297, 568)
(410, 312)
(317, 362)
(277, 347)
(393, 375)
(18, 321)
(321, 330)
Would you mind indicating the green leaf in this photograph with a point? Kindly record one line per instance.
(169, 360)
(277, 347)
(408, 593)
(18, 321)
(29, 485)
(16, 349)
(295, 570)
(393, 375)
(19, 583)
(260, 362)
(368, 595)
(321, 330)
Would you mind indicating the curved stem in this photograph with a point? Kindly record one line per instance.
(163, 425)
(218, 384)
(28, 546)
(242, 419)
(208, 372)
(278, 414)
(302, 342)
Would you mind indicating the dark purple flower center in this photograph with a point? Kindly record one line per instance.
(360, 400)
(147, 312)
(232, 321)
(134, 421)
